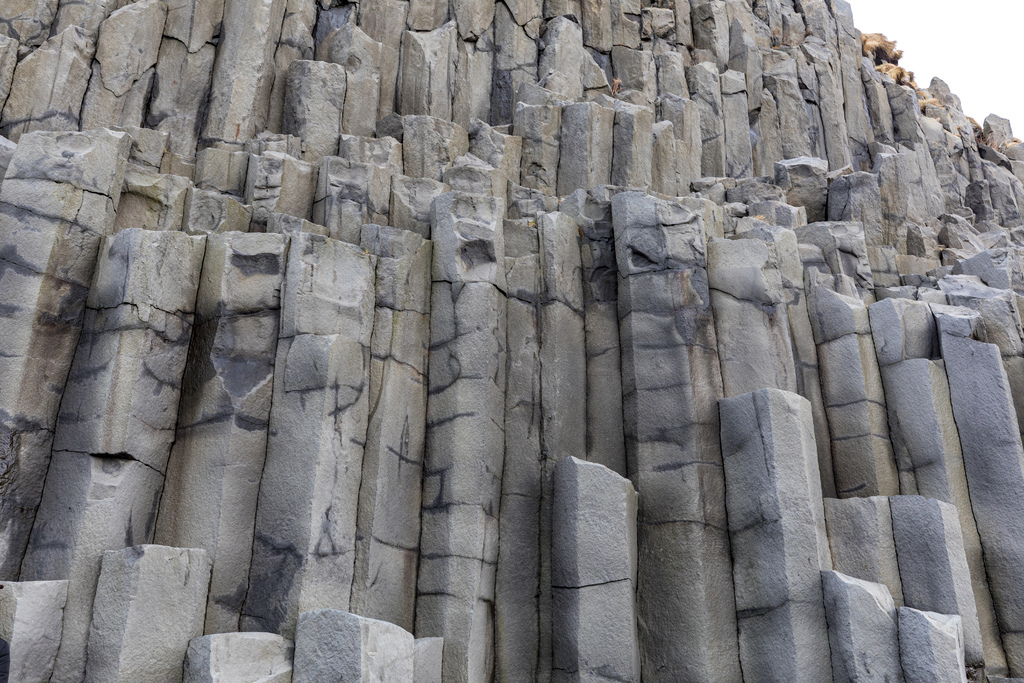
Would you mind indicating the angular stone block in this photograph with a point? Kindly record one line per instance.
(240, 657)
(360, 56)
(350, 194)
(31, 618)
(539, 125)
(149, 605)
(278, 182)
(931, 647)
(431, 145)
(314, 106)
(410, 202)
(207, 212)
(152, 201)
(862, 629)
(777, 529)
(933, 566)
(860, 538)
(593, 574)
(335, 645)
(428, 66)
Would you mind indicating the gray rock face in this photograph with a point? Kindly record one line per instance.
(31, 617)
(931, 647)
(353, 280)
(305, 528)
(332, 644)
(771, 483)
(862, 629)
(149, 604)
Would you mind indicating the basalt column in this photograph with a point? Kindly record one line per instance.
(671, 382)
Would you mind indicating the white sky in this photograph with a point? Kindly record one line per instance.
(976, 47)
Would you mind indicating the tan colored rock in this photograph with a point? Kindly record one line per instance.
(428, 67)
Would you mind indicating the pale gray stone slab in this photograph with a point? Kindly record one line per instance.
(861, 540)
(427, 660)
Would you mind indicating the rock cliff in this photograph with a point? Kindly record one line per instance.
(470, 340)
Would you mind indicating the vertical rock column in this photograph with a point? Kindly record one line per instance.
(465, 434)
(149, 604)
(862, 457)
(117, 420)
(304, 546)
(593, 571)
(388, 523)
(671, 381)
(592, 212)
(994, 462)
(777, 528)
(57, 201)
(925, 437)
(213, 475)
(517, 582)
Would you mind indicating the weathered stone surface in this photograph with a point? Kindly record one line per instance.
(585, 160)
(670, 368)
(350, 194)
(314, 106)
(31, 618)
(153, 201)
(465, 443)
(862, 458)
(387, 527)
(126, 52)
(931, 647)
(862, 629)
(305, 529)
(861, 539)
(632, 145)
(804, 182)
(751, 320)
(241, 657)
(565, 61)
(539, 125)
(243, 74)
(593, 574)
(149, 604)
(985, 417)
(428, 70)
(52, 217)
(933, 567)
(706, 91)
(431, 145)
(332, 644)
(360, 55)
(62, 61)
(427, 658)
(777, 529)
(410, 202)
(207, 212)
(209, 500)
(278, 182)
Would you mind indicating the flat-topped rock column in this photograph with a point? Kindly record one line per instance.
(304, 546)
(777, 529)
(862, 458)
(465, 434)
(931, 647)
(593, 574)
(925, 438)
(57, 201)
(256, 657)
(671, 379)
(150, 602)
(388, 524)
(861, 540)
(214, 470)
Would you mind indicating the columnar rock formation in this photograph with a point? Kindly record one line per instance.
(502, 340)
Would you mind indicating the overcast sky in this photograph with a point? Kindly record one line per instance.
(976, 47)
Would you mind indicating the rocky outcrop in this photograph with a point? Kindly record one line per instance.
(502, 341)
